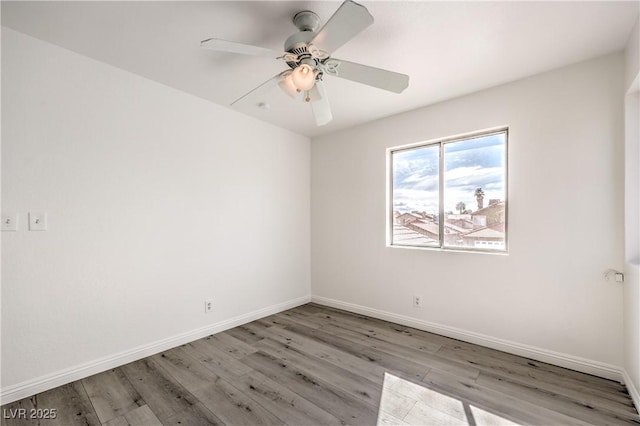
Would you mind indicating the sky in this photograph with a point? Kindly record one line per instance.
(468, 164)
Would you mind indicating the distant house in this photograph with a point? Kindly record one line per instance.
(483, 228)
(405, 236)
(416, 223)
(462, 223)
(491, 215)
(406, 218)
(427, 228)
(484, 237)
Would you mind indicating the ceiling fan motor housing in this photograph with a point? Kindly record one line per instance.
(297, 44)
(307, 22)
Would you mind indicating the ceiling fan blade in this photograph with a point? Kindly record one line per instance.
(376, 77)
(260, 93)
(243, 49)
(320, 104)
(346, 22)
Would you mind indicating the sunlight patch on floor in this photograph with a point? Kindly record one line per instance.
(407, 403)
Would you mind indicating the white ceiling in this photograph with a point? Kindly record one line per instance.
(447, 48)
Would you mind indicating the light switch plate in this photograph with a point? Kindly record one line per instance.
(9, 221)
(37, 221)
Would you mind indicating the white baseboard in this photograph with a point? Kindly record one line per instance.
(631, 387)
(563, 360)
(68, 375)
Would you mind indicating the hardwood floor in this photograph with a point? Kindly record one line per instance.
(314, 365)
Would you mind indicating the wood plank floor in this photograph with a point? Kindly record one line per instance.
(314, 365)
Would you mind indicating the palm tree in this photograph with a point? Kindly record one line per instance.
(479, 194)
(461, 206)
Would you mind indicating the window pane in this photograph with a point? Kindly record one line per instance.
(416, 196)
(475, 193)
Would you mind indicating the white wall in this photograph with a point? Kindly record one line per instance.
(632, 214)
(565, 218)
(156, 201)
(632, 56)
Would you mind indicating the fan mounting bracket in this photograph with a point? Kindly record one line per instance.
(306, 21)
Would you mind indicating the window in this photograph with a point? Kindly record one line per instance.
(450, 193)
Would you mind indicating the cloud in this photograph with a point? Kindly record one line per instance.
(416, 169)
(410, 199)
(469, 164)
(423, 183)
(492, 156)
(474, 177)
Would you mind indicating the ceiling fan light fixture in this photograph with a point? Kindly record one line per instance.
(303, 77)
(287, 86)
(307, 54)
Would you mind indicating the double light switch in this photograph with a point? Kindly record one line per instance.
(37, 221)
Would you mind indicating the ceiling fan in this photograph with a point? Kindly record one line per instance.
(308, 55)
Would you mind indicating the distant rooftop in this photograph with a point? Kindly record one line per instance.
(402, 235)
(485, 233)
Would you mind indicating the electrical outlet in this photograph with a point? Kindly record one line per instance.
(417, 301)
(208, 306)
(613, 275)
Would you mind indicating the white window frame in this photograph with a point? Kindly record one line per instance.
(441, 234)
